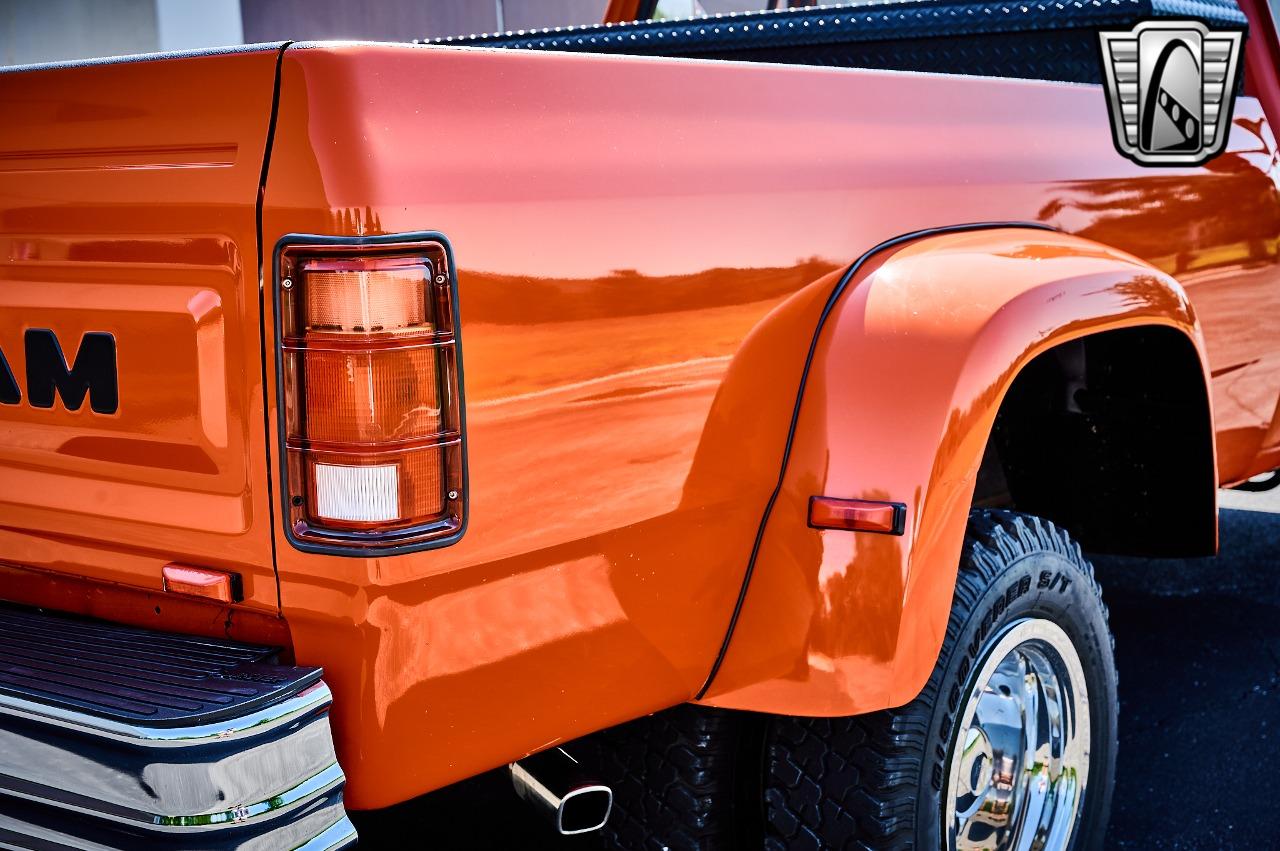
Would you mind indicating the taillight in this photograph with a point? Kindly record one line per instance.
(371, 413)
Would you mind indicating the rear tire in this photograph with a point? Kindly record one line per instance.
(882, 781)
(695, 778)
(686, 779)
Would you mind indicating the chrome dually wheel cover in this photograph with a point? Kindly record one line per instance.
(1020, 763)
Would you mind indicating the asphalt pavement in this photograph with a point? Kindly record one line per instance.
(1198, 651)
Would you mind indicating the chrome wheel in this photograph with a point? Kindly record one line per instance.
(1020, 763)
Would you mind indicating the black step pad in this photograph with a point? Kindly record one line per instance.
(138, 676)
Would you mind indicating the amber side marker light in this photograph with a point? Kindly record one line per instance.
(857, 515)
(201, 582)
(370, 390)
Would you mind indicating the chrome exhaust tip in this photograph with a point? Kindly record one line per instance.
(555, 784)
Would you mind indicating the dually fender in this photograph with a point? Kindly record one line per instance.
(900, 396)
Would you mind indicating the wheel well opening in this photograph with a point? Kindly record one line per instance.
(1110, 437)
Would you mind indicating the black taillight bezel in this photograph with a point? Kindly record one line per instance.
(427, 536)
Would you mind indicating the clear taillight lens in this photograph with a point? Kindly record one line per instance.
(371, 401)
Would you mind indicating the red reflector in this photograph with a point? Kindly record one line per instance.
(857, 515)
(201, 582)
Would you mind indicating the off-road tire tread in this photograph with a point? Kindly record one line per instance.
(673, 775)
(877, 757)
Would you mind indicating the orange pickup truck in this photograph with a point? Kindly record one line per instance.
(804, 352)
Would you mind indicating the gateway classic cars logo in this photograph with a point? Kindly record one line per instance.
(1171, 86)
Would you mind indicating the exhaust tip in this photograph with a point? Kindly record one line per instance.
(556, 784)
(584, 810)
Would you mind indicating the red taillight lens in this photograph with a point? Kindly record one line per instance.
(371, 403)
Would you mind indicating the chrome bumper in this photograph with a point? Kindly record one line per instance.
(267, 779)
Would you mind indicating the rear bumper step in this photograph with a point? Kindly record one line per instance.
(115, 738)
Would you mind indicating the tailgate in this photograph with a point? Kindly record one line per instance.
(131, 431)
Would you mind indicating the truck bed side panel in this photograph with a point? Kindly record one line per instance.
(643, 248)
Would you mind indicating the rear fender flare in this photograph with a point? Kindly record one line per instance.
(904, 383)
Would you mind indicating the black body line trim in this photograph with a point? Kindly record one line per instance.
(795, 411)
(262, 315)
(295, 239)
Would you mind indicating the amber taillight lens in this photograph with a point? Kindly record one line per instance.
(371, 421)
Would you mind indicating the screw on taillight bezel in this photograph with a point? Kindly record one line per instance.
(294, 256)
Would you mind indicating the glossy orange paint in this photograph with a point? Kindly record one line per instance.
(127, 206)
(640, 273)
(840, 624)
